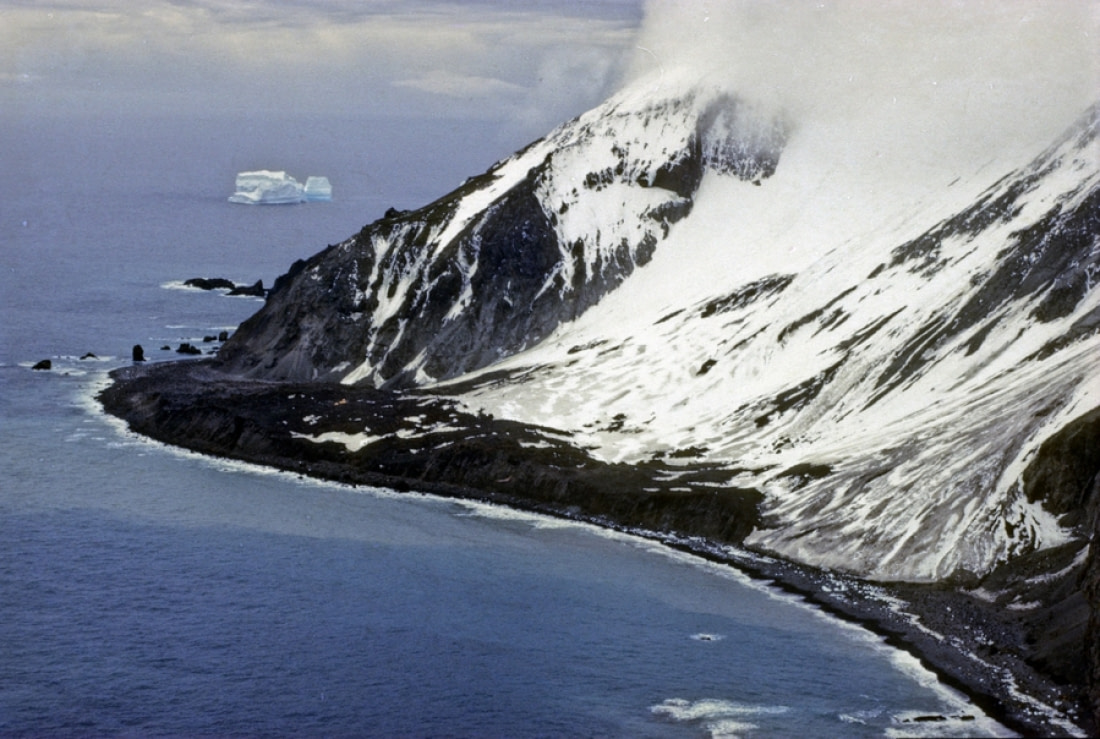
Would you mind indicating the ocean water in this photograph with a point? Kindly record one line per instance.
(148, 591)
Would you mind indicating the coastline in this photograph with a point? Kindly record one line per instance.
(427, 443)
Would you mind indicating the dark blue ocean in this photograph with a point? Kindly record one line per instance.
(145, 591)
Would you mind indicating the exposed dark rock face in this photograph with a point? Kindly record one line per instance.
(137, 354)
(1090, 584)
(444, 290)
(44, 364)
(1065, 476)
(1064, 473)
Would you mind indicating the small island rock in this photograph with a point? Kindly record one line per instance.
(210, 283)
(255, 290)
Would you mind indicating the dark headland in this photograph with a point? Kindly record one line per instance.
(1015, 664)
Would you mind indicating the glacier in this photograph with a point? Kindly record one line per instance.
(268, 187)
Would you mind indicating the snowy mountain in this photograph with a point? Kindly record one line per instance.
(672, 276)
(887, 396)
(498, 264)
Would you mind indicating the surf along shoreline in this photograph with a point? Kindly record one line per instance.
(427, 443)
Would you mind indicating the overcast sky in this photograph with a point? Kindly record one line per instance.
(930, 74)
(532, 63)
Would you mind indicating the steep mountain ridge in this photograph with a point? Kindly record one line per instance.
(498, 264)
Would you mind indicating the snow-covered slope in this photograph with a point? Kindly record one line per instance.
(676, 275)
(885, 391)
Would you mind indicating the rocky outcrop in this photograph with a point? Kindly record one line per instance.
(210, 283)
(1065, 475)
(256, 289)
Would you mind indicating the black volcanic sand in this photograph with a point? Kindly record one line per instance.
(967, 632)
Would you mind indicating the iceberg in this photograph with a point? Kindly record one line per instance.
(318, 189)
(266, 187)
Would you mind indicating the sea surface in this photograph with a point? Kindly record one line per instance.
(147, 591)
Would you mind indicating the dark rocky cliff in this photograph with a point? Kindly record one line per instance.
(491, 268)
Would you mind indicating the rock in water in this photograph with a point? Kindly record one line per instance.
(255, 290)
(137, 353)
(45, 364)
(210, 283)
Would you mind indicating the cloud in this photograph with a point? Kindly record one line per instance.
(965, 76)
(451, 84)
(565, 76)
(359, 58)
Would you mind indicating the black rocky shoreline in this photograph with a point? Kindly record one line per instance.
(1025, 667)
